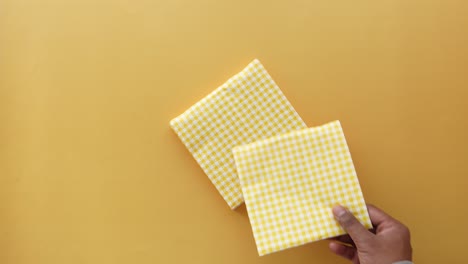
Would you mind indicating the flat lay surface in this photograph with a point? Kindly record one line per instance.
(91, 172)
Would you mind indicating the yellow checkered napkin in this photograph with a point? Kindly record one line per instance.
(248, 107)
(291, 182)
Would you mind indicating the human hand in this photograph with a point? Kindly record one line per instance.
(388, 242)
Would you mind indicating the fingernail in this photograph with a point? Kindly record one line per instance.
(339, 210)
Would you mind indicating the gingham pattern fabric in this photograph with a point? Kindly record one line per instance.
(291, 182)
(248, 107)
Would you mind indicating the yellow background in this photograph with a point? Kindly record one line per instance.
(90, 171)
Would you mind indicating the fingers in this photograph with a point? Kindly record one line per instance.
(343, 239)
(342, 250)
(377, 216)
(351, 225)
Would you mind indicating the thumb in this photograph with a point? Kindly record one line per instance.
(358, 233)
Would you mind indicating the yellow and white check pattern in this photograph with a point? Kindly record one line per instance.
(291, 182)
(248, 107)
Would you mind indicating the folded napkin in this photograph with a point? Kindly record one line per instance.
(248, 107)
(291, 182)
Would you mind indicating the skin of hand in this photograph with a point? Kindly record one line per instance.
(387, 243)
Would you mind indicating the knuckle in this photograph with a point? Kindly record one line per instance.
(403, 230)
